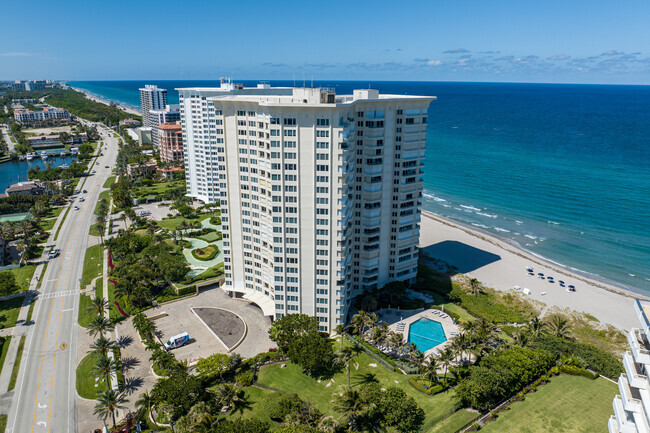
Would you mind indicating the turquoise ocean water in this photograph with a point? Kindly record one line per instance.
(562, 170)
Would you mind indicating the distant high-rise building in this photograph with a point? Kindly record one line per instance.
(320, 193)
(151, 98)
(170, 138)
(169, 114)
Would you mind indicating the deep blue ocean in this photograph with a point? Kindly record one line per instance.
(562, 170)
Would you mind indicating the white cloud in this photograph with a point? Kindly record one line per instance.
(434, 62)
(16, 54)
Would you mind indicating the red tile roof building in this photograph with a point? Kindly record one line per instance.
(170, 137)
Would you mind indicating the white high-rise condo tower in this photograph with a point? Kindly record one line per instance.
(632, 406)
(151, 98)
(320, 193)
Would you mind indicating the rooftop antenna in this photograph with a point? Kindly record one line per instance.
(294, 79)
(303, 79)
(312, 81)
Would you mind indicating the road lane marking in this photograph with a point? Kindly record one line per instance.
(60, 294)
(63, 346)
(67, 309)
(42, 406)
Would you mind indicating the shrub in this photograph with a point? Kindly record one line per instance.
(215, 220)
(577, 371)
(245, 378)
(372, 352)
(425, 389)
(408, 368)
(187, 290)
(598, 360)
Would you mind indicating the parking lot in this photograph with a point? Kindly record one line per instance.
(203, 343)
(157, 211)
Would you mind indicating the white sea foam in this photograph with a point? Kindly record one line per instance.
(499, 229)
(531, 237)
(632, 275)
(424, 194)
(519, 222)
(439, 199)
(554, 223)
(480, 225)
(486, 214)
(470, 207)
(446, 205)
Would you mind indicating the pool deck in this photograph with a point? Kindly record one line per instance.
(394, 317)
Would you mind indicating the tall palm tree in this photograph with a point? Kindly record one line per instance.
(446, 358)
(417, 356)
(559, 326)
(356, 324)
(345, 357)
(102, 345)
(108, 403)
(370, 321)
(105, 367)
(351, 404)
(145, 404)
(98, 305)
(430, 370)
(396, 341)
(100, 325)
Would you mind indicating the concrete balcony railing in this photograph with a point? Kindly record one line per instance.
(630, 402)
(624, 424)
(639, 351)
(636, 378)
(640, 312)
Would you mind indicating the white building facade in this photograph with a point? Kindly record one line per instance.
(632, 406)
(320, 193)
(22, 115)
(171, 113)
(151, 98)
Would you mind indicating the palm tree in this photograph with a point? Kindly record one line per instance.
(356, 324)
(378, 334)
(105, 367)
(475, 287)
(6, 234)
(102, 345)
(417, 356)
(98, 305)
(340, 329)
(109, 402)
(100, 325)
(535, 327)
(560, 326)
(430, 370)
(396, 341)
(446, 358)
(370, 321)
(206, 424)
(345, 357)
(145, 404)
(351, 404)
(228, 396)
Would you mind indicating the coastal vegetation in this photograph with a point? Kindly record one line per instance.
(77, 103)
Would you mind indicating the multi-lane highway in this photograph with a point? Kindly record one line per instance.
(44, 397)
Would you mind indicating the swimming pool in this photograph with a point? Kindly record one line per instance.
(426, 334)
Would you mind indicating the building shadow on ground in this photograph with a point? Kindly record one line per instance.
(462, 258)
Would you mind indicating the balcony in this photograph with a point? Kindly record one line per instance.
(635, 377)
(624, 421)
(372, 188)
(639, 346)
(630, 397)
(373, 170)
(640, 308)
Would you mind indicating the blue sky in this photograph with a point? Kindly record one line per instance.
(575, 41)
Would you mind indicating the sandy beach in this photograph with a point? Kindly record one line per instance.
(101, 101)
(502, 266)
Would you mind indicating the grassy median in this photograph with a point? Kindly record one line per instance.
(86, 378)
(19, 357)
(92, 264)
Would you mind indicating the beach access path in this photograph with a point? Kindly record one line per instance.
(502, 266)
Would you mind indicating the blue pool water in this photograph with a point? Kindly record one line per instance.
(426, 334)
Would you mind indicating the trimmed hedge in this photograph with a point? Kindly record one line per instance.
(245, 378)
(187, 290)
(372, 352)
(408, 368)
(425, 389)
(577, 371)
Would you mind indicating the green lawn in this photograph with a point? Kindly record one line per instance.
(291, 379)
(54, 212)
(4, 341)
(110, 181)
(48, 224)
(24, 276)
(9, 311)
(171, 223)
(566, 404)
(256, 398)
(92, 264)
(454, 422)
(3, 423)
(19, 357)
(210, 237)
(85, 316)
(86, 378)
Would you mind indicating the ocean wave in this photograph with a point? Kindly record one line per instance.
(470, 207)
(499, 229)
(446, 205)
(486, 214)
(531, 237)
(519, 222)
(480, 225)
(554, 223)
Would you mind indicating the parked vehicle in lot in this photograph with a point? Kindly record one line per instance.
(177, 341)
(144, 213)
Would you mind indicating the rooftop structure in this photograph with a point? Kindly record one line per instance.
(22, 115)
(320, 193)
(31, 187)
(170, 140)
(632, 406)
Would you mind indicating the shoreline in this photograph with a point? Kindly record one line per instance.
(502, 265)
(96, 98)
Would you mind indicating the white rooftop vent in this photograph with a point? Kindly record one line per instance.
(366, 94)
